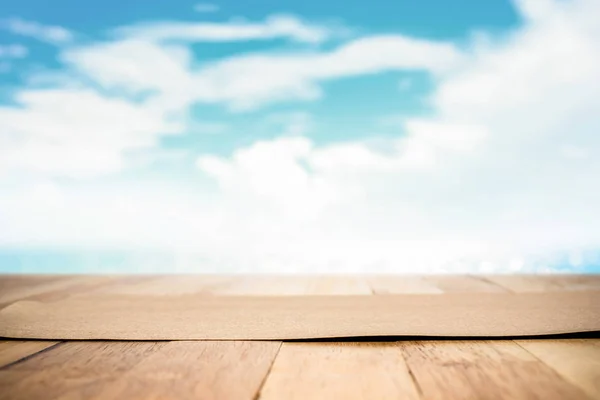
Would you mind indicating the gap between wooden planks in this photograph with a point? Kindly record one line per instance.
(237, 370)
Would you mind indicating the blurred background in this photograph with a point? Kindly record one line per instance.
(300, 137)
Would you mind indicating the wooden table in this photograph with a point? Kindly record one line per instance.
(564, 368)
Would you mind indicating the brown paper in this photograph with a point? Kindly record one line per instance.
(240, 317)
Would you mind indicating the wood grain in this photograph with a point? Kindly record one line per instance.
(72, 370)
(206, 370)
(197, 370)
(483, 370)
(339, 371)
(14, 350)
(576, 360)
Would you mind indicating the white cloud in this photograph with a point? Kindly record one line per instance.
(377, 53)
(70, 128)
(13, 51)
(74, 132)
(275, 26)
(247, 82)
(45, 33)
(505, 171)
(268, 176)
(206, 8)
(133, 65)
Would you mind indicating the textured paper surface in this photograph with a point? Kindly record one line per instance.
(240, 317)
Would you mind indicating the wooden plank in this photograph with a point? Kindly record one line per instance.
(72, 369)
(339, 285)
(242, 285)
(264, 286)
(230, 285)
(165, 285)
(77, 285)
(525, 283)
(14, 350)
(576, 360)
(401, 284)
(577, 282)
(463, 283)
(125, 284)
(11, 282)
(546, 283)
(17, 287)
(197, 370)
(339, 371)
(483, 370)
(46, 288)
(207, 370)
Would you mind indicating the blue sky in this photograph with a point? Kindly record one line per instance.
(351, 136)
(340, 115)
(428, 18)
